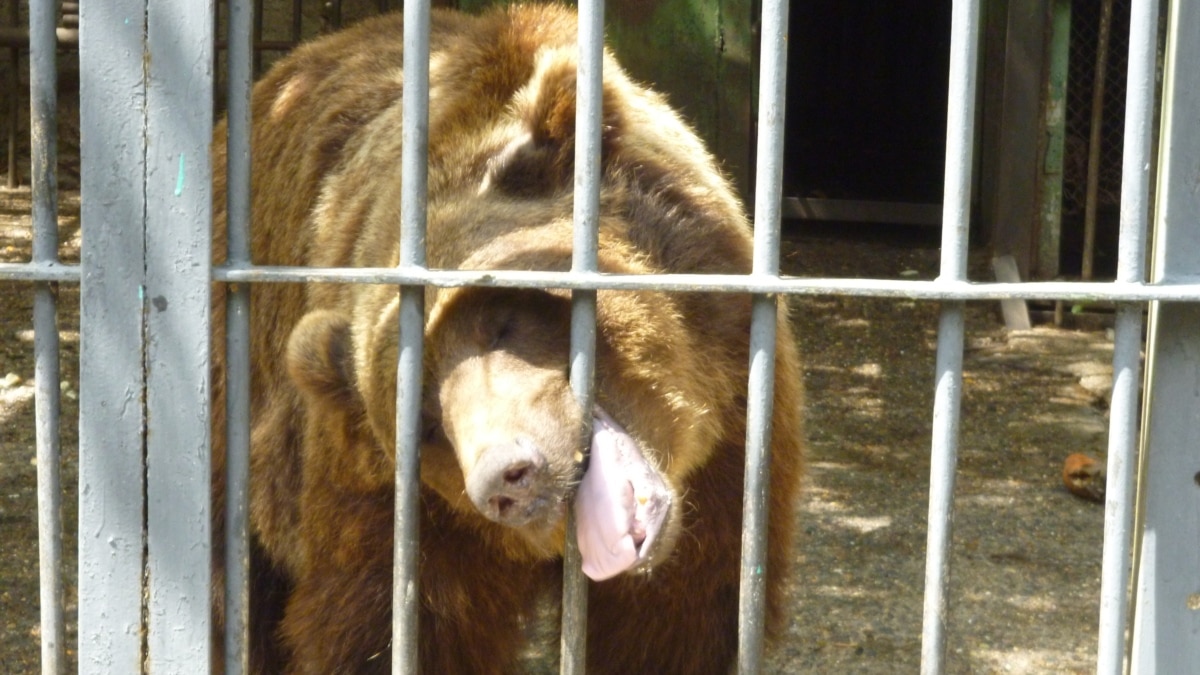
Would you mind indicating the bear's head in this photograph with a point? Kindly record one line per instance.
(503, 434)
(504, 439)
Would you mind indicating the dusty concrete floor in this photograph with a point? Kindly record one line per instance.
(1026, 554)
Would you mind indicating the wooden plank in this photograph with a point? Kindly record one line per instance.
(709, 76)
(1013, 215)
(1016, 312)
(1054, 117)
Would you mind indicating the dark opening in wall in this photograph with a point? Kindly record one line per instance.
(867, 99)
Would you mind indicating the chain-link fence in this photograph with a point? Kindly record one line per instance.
(1085, 34)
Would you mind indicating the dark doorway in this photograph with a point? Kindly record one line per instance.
(866, 110)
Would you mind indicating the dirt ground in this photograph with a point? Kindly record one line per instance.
(1026, 554)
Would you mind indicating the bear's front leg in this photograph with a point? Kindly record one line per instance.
(338, 617)
(473, 602)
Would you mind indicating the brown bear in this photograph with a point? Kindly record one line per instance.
(657, 489)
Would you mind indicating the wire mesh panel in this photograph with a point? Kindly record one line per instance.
(1084, 61)
(1094, 124)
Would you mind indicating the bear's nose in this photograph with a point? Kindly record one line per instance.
(509, 484)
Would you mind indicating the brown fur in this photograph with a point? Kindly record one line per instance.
(671, 368)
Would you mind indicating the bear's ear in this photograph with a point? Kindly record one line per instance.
(542, 160)
(320, 357)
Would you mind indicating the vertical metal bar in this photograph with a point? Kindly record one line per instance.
(179, 121)
(1167, 605)
(956, 210)
(256, 43)
(1127, 348)
(237, 340)
(759, 411)
(43, 98)
(111, 378)
(947, 398)
(772, 99)
(13, 85)
(1140, 86)
(584, 259)
(413, 200)
(335, 11)
(960, 136)
(405, 594)
(297, 21)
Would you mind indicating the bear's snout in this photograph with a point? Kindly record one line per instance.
(512, 485)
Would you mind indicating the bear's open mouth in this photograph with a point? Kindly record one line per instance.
(621, 505)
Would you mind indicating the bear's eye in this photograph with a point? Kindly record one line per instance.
(502, 330)
(431, 429)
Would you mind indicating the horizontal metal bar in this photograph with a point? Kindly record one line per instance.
(1186, 289)
(1183, 290)
(39, 271)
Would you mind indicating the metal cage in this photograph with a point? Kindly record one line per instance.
(144, 429)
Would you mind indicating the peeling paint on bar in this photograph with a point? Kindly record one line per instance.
(43, 86)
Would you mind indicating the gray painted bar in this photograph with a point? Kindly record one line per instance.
(111, 379)
(1183, 289)
(237, 344)
(584, 260)
(43, 96)
(145, 327)
(760, 392)
(1127, 348)
(960, 140)
(1166, 631)
(413, 200)
(178, 235)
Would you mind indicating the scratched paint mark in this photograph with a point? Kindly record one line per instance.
(179, 178)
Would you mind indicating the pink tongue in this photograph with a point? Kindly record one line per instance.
(620, 505)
